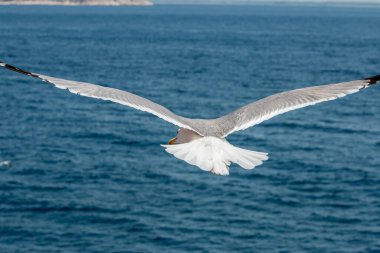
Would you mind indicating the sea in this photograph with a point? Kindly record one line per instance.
(84, 175)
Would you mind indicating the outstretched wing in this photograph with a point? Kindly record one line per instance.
(264, 109)
(114, 95)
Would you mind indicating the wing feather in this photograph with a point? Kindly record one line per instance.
(242, 118)
(264, 109)
(111, 94)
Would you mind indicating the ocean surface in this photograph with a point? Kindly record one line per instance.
(89, 175)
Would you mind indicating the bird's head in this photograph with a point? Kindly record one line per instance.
(175, 139)
(183, 136)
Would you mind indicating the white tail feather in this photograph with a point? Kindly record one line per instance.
(215, 155)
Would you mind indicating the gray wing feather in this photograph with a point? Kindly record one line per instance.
(264, 109)
(118, 96)
(111, 94)
(244, 117)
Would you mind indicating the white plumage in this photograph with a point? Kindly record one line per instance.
(202, 142)
(215, 155)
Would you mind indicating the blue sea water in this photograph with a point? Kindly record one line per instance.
(90, 176)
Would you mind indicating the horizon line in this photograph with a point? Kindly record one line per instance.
(277, 2)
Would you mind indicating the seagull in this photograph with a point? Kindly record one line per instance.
(202, 142)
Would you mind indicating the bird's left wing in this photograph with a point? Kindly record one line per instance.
(114, 95)
(264, 109)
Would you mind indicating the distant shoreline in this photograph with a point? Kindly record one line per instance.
(80, 3)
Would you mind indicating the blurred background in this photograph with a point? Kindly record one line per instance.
(84, 175)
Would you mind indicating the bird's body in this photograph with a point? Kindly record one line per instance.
(215, 154)
(202, 142)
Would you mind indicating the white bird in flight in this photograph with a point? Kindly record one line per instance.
(202, 142)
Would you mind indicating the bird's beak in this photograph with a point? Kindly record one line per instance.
(172, 141)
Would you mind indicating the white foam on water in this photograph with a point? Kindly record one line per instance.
(5, 164)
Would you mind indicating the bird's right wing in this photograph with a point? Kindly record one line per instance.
(264, 109)
(111, 94)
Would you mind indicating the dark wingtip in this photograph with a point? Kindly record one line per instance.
(373, 79)
(13, 68)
